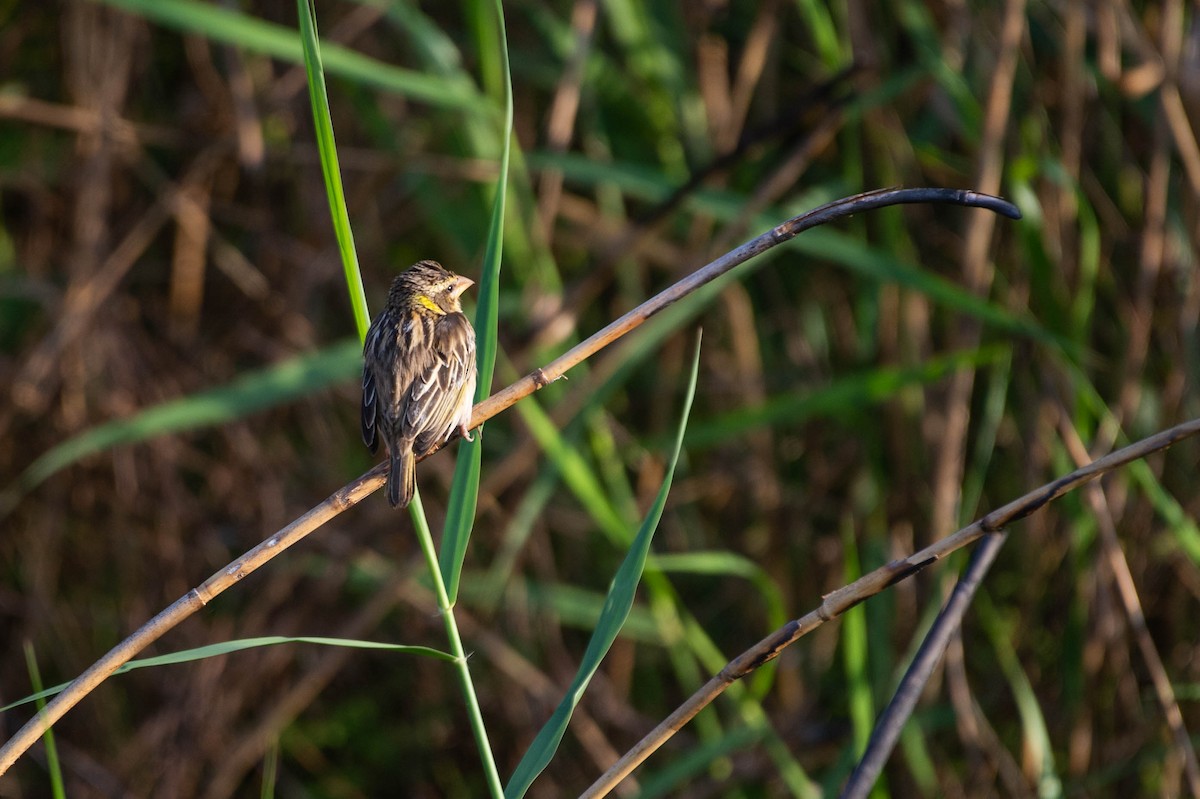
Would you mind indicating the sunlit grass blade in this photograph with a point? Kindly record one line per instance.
(462, 666)
(53, 765)
(824, 244)
(616, 609)
(242, 30)
(291, 379)
(727, 564)
(1037, 746)
(332, 173)
(464, 491)
(1182, 526)
(819, 22)
(731, 564)
(460, 513)
(575, 471)
(270, 771)
(854, 647)
(570, 605)
(844, 395)
(691, 649)
(242, 644)
(694, 762)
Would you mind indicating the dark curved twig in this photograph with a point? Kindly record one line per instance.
(891, 722)
(847, 206)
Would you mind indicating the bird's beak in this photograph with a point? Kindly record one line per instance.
(461, 284)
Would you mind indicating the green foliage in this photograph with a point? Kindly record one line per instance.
(597, 163)
(240, 645)
(464, 491)
(330, 171)
(220, 24)
(617, 604)
(287, 381)
(53, 764)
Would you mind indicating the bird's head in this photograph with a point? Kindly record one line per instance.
(428, 287)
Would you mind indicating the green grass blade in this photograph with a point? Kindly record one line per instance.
(53, 765)
(616, 608)
(730, 564)
(242, 644)
(1037, 745)
(461, 662)
(464, 491)
(270, 771)
(847, 394)
(727, 564)
(327, 148)
(274, 385)
(241, 30)
(576, 472)
(460, 513)
(819, 22)
(854, 647)
(824, 245)
(695, 761)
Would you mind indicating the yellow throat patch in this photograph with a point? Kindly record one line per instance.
(425, 302)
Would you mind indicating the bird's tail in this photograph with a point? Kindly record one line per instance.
(402, 479)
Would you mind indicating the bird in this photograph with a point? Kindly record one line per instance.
(419, 372)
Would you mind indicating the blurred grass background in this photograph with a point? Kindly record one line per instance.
(173, 318)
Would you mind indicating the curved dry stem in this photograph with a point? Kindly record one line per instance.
(872, 583)
(354, 492)
(777, 235)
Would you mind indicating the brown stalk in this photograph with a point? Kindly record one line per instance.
(560, 127)
(355, 491)
(978, 274)
(1127, 592)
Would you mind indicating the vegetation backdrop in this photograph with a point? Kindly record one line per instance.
(182, 365)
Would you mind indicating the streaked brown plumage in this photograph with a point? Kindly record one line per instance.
(418, 371)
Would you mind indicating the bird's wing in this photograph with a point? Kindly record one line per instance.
(373, 347)
(368, 411)
(436, 395)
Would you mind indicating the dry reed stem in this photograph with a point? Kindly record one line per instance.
(867, 586)
(86, 294)
(354, 492)
(1127, 592)
(978, 275)
(564, 108)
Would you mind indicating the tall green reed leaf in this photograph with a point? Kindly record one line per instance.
(264, 388)
(616, 609)
(53, 764)
(240, 645)
(1037, 743)
(842, 398)
(242, 30)
(329, 166)
(464, 491)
